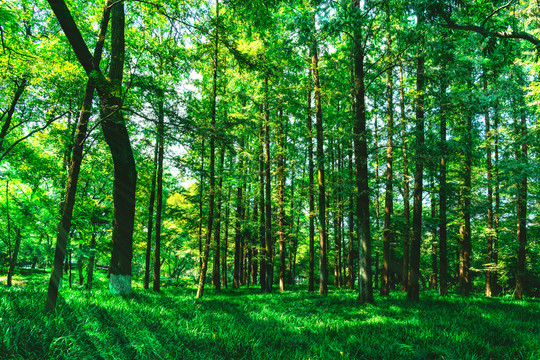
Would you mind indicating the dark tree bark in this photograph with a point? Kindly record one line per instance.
(351, 253)
(159, 203)
(70, 29)
(413, 293)
(365, 287)
(388, 200)
(150, 223)
(323, 252)
(465, 282)
(21, 85)
(262, 219)
(521, 201)
(225, 251)
(14, 256)
(434, 267)
(238, 233)
(489, 285)
(201, 192)
(406, 194)
(311, 278)
(125, 175)
(216, 276)
(281, 198)
(268, 194)
(204, 267)
(443, 254)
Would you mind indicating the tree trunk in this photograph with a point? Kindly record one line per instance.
(433, 206)
(323, 253)
(489, 286)
(521, 201)
(201, 191)
(9, 114)
(14, 255)
(311, 279)
(225, 251)
(62, 13)
(159, 202)
(281, 198)
(216, 276)
(91, 260)
(443, 254)
(204, 267)
(388, 200)
(268, 194)
(351, 254)
(413, 293)
(365, 287)
(406, 195)
(150, 223)
(465, 283)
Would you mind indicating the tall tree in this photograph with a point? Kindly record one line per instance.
(413, 293)
(211, 200)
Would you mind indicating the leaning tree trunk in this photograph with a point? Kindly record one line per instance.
(9, 114)
(73, 34)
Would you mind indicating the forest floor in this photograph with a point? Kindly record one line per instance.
(245, 324)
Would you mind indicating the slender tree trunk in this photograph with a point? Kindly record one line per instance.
(159, 202)
(443, 254)
(406, 195)
(91, 260)
(489, 289)
(434, 270)
(268, 194)
(521, 201)
(351, 254)
(413, 293)
(388, 200)
(204, 268)
(323, 253)
(311, 279)
(377, 201)
(292, 234)
(465, 283)
(216, 276)
(150, 223)
(224, 253)
(14, 256)
(201, 191)
(75, 165)
(497, 199)
(365, 287)
(281, 198)
(262, 220)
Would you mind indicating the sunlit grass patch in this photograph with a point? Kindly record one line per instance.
(247, 324)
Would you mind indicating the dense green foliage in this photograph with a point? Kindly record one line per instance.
(247, 324)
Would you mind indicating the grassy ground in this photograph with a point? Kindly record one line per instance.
(248, 325)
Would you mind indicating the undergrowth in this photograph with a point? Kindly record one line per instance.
(245, 324)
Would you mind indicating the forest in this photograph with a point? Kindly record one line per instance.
(270, 179)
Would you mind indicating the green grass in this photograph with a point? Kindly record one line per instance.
(247, 325)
